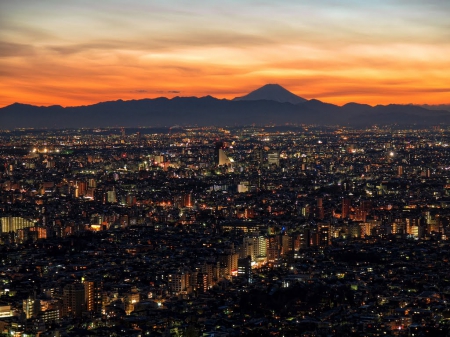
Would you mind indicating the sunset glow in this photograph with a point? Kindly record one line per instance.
(83, 52)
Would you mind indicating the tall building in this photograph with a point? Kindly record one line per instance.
(287, 244)
(31, 307)
(320, 210)
(254, 246)
(324, 234)
(93, 296)
(187, 200)
(111, 196)
(178, 282)
(245, 268)
(232, 263)
(273, 158)
(258, 156)
(345, 207)
(73, 300)
(273, 249)
(220, 158)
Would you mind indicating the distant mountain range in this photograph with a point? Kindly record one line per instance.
(270, 104)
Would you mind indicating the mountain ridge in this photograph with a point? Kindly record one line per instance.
(208, 110)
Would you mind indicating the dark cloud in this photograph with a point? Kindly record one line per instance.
(168, 92)
(140, 91)
(8, 49)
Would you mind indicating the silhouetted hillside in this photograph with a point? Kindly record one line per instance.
(211, 111)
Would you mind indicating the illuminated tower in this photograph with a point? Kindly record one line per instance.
(93, 296)
(220, 158)
(274, 158)
(31, 307)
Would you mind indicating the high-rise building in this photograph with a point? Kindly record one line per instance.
(320, 210)
(258, 156)
(178, 282)
(287, 244)
(220, 157)
(73, 300)
(93, 296)
(31, 307)
(111, 196)
(245, 268)
(324, 234)
(254, 246)
(345, 207)
(232, 263)
(273, 158)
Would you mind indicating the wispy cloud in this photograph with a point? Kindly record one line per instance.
(168, 92)
(10, 49)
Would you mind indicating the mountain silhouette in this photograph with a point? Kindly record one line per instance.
(272, 92)
(267, 105)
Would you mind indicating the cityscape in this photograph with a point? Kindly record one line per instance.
(231, 168)
(296, 230)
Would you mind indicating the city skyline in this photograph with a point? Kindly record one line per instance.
(78, 53)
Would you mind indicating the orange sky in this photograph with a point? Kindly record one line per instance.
(83, 52)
